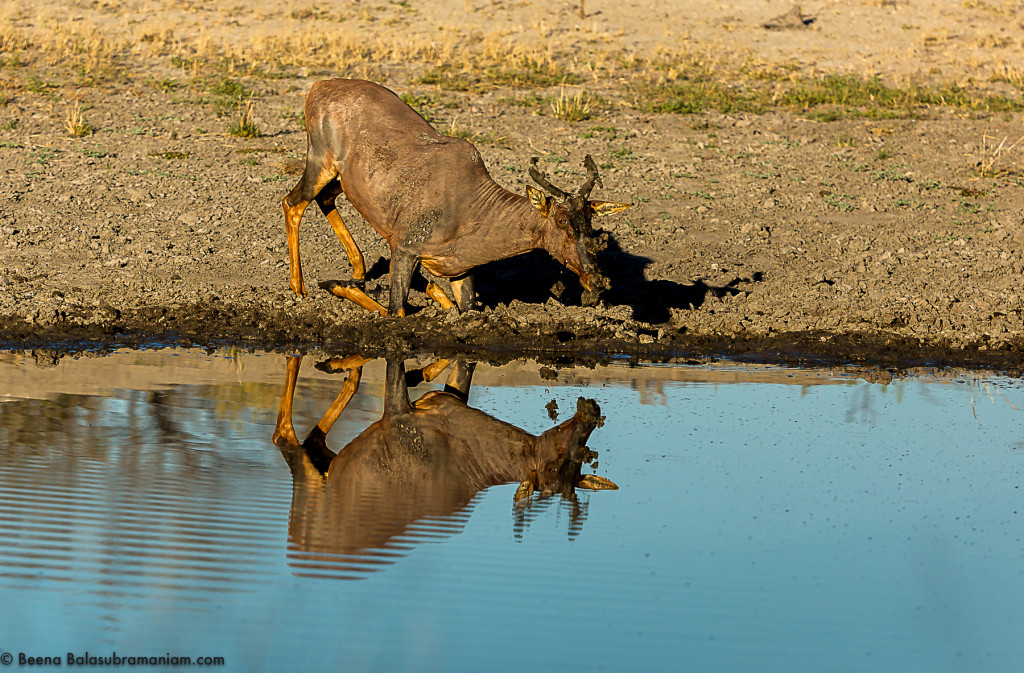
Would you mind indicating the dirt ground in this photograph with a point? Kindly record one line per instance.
(769, 235)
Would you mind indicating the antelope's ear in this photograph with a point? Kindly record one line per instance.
(539, 200)
(607, 207)
(525, 490)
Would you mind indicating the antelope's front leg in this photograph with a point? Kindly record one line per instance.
(403, 265)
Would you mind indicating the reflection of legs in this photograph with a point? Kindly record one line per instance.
(460, 379)
(318, 434)
(595, 483)
(326, 200)
(333, 365)
(429, 373)
(284, 433)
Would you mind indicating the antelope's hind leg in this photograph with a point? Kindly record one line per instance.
(402, 268)
(326, 200)
(462, 288)
(435, 292)
(465, 293)
(356, 295)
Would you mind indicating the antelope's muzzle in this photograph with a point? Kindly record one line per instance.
(594, 282)
(593, 285)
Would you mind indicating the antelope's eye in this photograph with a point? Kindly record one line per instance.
(562, 222)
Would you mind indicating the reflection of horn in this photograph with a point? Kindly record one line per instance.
(542, 180)
(526, 510)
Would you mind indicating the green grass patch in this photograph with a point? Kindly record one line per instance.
(36, 85)
(263, 150)
(688, 97)
(969, 207)
(532, 99)
(527, 72)
(891, 174)
(829, 98)
(42, 155)
(449, 79)
(841, 202)
(522, 73)
(425, 105)
(170, 156)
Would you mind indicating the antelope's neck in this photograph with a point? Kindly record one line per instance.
(510, 219)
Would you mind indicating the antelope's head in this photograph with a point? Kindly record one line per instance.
(570, 237)
(561, 454)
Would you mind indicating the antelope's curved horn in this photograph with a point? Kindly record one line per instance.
(542, 180)
(592, 177)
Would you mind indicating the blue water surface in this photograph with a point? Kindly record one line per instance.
(784, 522)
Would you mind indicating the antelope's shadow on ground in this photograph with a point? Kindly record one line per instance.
(535, 277)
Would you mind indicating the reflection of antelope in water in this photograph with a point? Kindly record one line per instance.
(416, 469)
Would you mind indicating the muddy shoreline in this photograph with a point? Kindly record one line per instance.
(485, 337)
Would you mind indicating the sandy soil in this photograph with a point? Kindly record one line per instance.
(770, 235)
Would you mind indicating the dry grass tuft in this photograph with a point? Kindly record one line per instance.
(244, 124)
(685, 76)
(573, 109)
(993, 153)
(1011, 74)
(74, 122)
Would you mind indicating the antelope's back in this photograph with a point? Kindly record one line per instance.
(388, 157)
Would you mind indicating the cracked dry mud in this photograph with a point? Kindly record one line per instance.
(769, 236)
